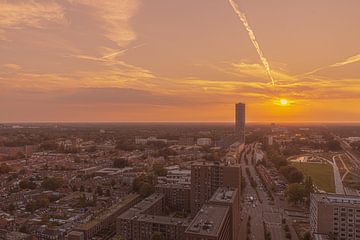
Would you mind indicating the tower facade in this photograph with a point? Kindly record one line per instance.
(240, 122)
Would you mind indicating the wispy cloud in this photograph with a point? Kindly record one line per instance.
(350, 60)
(115, 16)
(12, 66)
(28, 13)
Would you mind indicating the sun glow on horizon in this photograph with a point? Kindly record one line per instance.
(284, 102)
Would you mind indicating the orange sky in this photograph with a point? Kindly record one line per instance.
(137, 60)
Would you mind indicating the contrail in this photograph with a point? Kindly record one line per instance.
(253, 39)
(347, 61)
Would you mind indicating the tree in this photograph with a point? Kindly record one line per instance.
(52, 183)
(144, 185)
(82, 201)
(146, 190)
(40, 202)
(27, 184)
(309, 186)
(243, 183)
(99, 190)
(82, 188)
(292, 174)
(159, 170)
(295, 193)
(11, 207)
(296, 177)
(307, 236)
(5, 168)
(157, 236)
(108, 193)
(120, 163)
(333, 145)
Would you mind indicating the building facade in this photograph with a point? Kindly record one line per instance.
(207, 177)
(147, 219)
(240, 122)
(335, 215)
(177, 196)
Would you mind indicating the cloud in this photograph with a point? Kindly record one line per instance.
(115, 16)
(256, 70)
(19, 14)
(12, 66)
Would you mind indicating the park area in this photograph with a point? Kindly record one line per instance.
(322, 174)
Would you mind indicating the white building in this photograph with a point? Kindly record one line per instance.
(204, 141)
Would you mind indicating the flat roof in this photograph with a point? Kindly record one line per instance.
(164, 220)
(224, 195)
(210, 164)
(113, 209)
(172, 185)
(142, 206)
(209, 220)
(337, 199)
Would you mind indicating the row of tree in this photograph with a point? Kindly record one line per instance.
(300, 192)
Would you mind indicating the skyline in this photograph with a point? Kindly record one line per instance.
(81, 61)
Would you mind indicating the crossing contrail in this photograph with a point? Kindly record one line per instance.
(244, 21)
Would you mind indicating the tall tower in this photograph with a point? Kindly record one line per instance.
(240, 122)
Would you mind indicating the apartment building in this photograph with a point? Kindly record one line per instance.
(335, 215)
(212, 222)
(207, 177)
(176, 195)
(147, 218)
(108, 218)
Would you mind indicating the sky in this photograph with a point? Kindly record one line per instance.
(179, 60)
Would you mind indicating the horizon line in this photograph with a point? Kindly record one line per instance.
(178, 122)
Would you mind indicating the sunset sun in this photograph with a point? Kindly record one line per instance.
(284, 102)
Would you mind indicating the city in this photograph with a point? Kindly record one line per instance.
(111, 181)
(179, 120)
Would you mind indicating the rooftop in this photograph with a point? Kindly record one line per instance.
(208, 221)
(142, 206)
(224, 195)
(210, 164)
(164, 220)
(173, 185)
(337, 199)
(112, 210)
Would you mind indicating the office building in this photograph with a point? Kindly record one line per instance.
(335, 215)
(240, 122)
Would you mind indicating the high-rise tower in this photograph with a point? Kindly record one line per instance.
(240, 122)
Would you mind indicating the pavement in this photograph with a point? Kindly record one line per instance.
(339, 187)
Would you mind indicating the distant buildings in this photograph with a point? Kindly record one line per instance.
(4, 235)
(144, 141)
(186, 141)
(335, 215)
(240, 122)
(204, 141)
